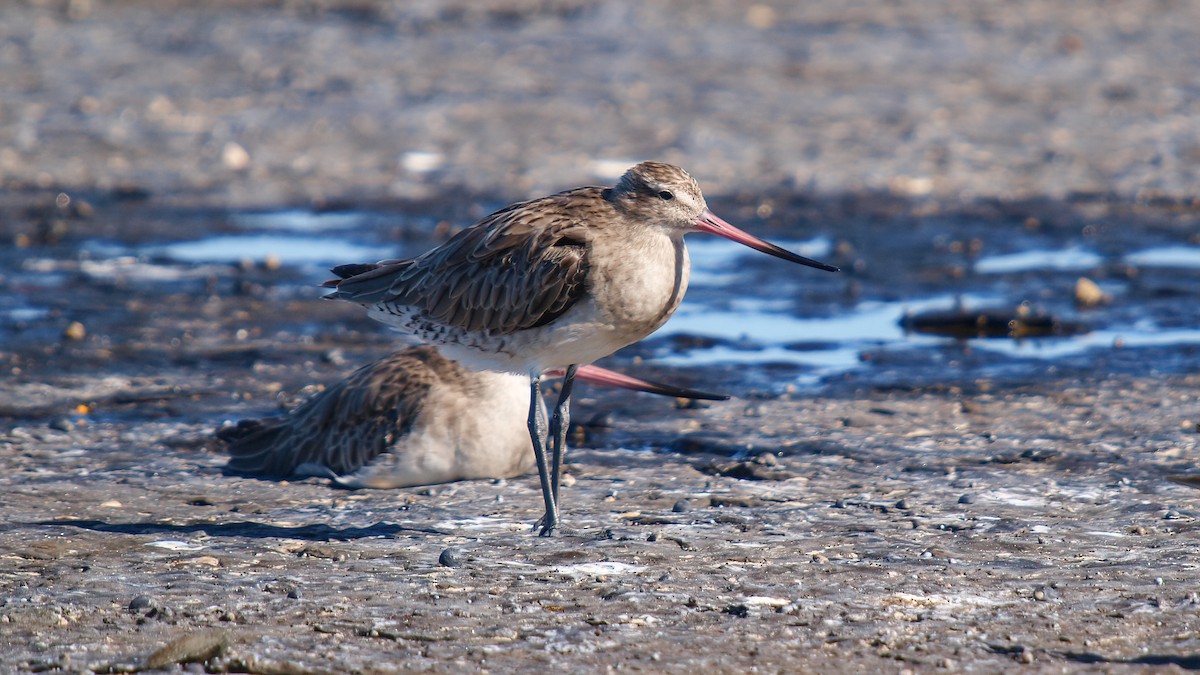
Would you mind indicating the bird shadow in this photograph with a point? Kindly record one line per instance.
(1184, 661)
(245, 528)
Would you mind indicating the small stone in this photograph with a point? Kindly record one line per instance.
(1039, 595)
(1089, 294)
(966, 499)
(191, 648)
(294, 594)
(234, 156)
(766, 459)
(75, 331)
(161, 614)
(140, 602)
(903, 505)
(451, 557)
(739, 610)
(681, 506)
(62, 424)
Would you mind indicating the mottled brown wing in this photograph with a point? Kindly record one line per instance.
(519, 268)
(342, 428)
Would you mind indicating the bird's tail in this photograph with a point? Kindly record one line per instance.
(254, 448)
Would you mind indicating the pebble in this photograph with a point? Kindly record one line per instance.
(295, 594)
(903, 505)
(62, 424)
(191, 648)
(140, 602)
(452, 557)
(234, 156)
(966, 499)
(75, 331)
(161, 614)
(739, 610)
(681, 506)
(1089, 294)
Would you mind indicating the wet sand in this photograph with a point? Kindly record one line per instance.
(935, 506)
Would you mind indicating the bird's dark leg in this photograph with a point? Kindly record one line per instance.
(537, 434)
(560, 423)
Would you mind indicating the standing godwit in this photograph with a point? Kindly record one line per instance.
(411, 418)
(552, 283)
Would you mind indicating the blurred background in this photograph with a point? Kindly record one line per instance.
(1010, 187)
(263, 103)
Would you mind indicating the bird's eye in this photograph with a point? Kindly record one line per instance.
(666, 195)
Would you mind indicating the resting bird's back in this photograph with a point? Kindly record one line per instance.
(411, 418)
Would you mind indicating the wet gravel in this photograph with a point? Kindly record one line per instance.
(939, 506)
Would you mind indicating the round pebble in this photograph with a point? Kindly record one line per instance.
(75, 331)
(681, 506)
(966, 499)
(452, 557)
(295, 594)
(140, 602)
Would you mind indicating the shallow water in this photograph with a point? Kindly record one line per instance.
(1077, 258)
(289, 249)
(299, 220)
(1166, 256)
(1074, 258)
(742, 308)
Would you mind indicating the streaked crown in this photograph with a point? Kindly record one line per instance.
(659, 192)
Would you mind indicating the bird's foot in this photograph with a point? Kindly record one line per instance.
(545, 525)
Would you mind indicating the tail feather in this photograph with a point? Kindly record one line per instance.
(253, 447)
(364, 283)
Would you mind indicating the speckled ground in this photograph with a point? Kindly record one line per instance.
(921, 530)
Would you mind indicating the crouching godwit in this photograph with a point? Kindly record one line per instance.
(551, 283)
(411, 418)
